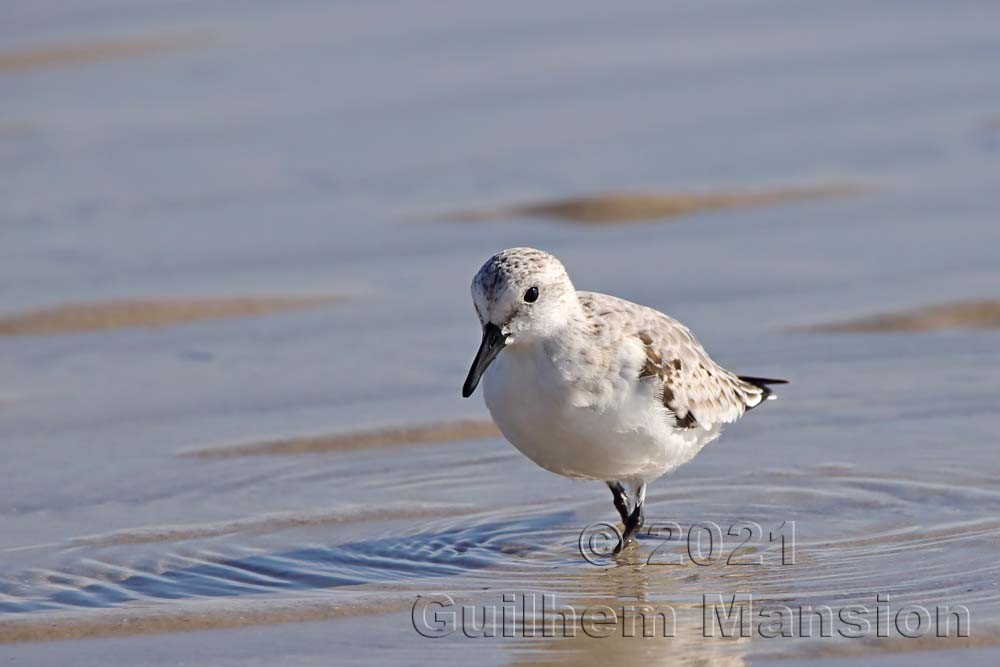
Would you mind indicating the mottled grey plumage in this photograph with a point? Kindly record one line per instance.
(696, 390)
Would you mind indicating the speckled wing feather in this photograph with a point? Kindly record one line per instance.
(695, 389)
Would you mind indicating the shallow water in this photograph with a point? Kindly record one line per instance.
(323, 149)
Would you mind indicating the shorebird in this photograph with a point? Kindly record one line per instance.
(591, 386)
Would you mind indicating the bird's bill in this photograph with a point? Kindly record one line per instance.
(493, 341)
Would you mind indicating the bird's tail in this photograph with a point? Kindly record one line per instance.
(762, 384)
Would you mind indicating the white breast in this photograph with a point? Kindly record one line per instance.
(608, 428)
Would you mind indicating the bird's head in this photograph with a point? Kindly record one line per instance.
(521, 295)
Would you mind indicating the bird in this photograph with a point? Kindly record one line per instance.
(595, 387)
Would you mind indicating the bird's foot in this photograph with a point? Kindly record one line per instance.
(633, 522)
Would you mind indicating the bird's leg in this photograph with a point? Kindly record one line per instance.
(634, 520)
(621, 499)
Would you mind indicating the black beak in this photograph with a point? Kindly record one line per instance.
(493, 341)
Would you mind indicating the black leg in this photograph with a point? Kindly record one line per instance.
(621, 499)
(634, 521)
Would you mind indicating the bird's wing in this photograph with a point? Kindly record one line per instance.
(696, 390)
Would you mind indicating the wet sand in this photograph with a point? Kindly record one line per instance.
(989, 638)
(95, 51)
(147, 313)
(630, 207)
(979, 314)
(420, 434)
(188, 617)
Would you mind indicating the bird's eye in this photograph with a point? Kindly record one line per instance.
(531, 295)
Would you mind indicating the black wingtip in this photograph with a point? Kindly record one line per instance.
(761, 382)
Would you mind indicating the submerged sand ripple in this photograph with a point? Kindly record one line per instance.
(623, 207)
(189, 616)
(418, 434)
(817, 649)
(150, 313)
(980, 314)
(81, 52)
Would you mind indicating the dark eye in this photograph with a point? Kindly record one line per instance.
(531, 295)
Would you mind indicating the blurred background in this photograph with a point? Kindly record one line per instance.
(236, 242)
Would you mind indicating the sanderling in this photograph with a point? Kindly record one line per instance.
(591, 386)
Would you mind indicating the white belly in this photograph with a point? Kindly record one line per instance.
(623, 436)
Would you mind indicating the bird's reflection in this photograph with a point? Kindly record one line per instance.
(627, 614)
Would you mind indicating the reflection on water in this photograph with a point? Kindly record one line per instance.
(634, 597)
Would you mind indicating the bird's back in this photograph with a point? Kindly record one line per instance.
(697, 391)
